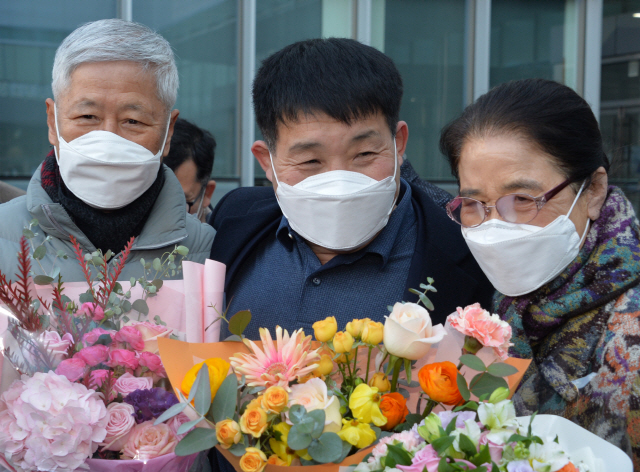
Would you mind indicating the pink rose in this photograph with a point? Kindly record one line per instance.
(488, 329)
(127, 383)
(121, 422)
(92, 336)
(73, 369)
(130, 335)
(150, 333)
(97, 378)
(124, 358)
(495, 450)
(177, 421)
(426, 458)
(56, 345)
(152, 362)
(147, 441)
(93, 355)
(92, 310)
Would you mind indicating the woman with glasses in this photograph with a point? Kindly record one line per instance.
(561, 247)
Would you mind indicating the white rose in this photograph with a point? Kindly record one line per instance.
(408, 332)
(312, 395)
(499, 418)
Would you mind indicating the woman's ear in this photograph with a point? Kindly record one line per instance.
(597, 193)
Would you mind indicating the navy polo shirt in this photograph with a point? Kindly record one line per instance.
(283, 282)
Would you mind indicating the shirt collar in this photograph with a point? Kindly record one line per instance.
(400, 221)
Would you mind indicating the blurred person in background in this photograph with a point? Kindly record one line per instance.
(191, 159)
(9, 192)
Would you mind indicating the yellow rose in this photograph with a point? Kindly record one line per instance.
(325, 329)
(254, 422)
(354, 328)
(275, 460)
(325, 366)
(342, 342)
(365, 405)
(253, 460)
(228, 433)
(275, 399)
(357, 434)
(380, 381)
(372, 333)
(218, 370)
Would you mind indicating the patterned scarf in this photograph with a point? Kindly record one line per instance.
(106, 230)
(560, 324)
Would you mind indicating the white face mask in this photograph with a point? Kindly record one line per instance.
(520, 258)
(107, 171)
(339, 209)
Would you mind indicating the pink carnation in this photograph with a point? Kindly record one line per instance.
(71, 421)
(130, 335)
(124, 358)
(73, 369)
(148, 441)
(93, 355)
(488, 329)
(92, 336)
(92, 310)
(121, 422)
(97, 377)
(127, 383)
(152, 362)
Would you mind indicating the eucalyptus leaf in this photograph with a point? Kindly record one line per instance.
(485, 384)
(157, 283)
(296, 413)
(224, 403)
(297, 439)
(346, 449)
(202, 400)
(86, 298)
(200, 439)
(462, 387)
(126, 306)
(426, 302)
(473, 361)
(404, 392)
(157, 264)
(234, 337)
(140, 306)
(239, 322)
(40, 252)
(238, 449)
(27, 233)
(182, 250)
(327, 448)
(318, 417)
(42, 280)
(184, 427)
(172, 411)
(500, 369)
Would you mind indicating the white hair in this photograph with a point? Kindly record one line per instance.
(117, 40)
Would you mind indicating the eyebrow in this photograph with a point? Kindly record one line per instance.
(511, 187)
(304, 146)
(365, 135)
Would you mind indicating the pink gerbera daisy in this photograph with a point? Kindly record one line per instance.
(289, 359)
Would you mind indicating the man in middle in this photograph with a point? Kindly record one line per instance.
(340, 233)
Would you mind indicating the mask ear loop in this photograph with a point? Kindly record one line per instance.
(273, 168)
(586, 229)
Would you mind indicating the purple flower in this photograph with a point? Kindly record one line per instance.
(149, 404)
(461, 417)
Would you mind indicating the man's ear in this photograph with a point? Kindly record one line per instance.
(261, 152)
(208, 193)
(51, 122)
(402, 136)
(597, 193)
(172, 123)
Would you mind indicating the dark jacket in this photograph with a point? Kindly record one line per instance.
(245, 216)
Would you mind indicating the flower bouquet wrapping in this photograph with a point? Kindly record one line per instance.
(91, 383)
(295, 402)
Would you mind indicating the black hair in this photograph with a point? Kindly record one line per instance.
(340, 77)
(190, 142)
(550, 115)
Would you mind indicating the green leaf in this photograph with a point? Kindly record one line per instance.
(104, 340)
(27, 233)
(426, 302)
(239, 322)
(238, 449)
(318, 417)
(296, 413)
(85, 298)
(472, 406)
(327, 448)
(200, 439)
(396, 455)
(42, 280)
(182, 250)
(500, 369)
(224, 404)
(40, 252)
(485, 384)
(467, 446)
(157, 283)
(444, 466)
(184, 427)
(410, 420)
(450, 427)
(141, 306)
(132, 281)
(157, 264)
(126, 306)
(442, 444)
(462, 386)
(298, 440)
(482, 457)
(473, 361)
(202, 400)
(346, 449)
(170, 413)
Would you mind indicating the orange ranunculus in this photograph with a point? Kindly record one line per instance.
(394, 407)
(438, 380)
(569, 468)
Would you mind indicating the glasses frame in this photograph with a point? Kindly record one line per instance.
(539, 201)
(197, 199)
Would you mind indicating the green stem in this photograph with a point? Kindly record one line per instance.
(366, 379)
(346, 355)
(355, 363)
(427, 409)
(396, 373)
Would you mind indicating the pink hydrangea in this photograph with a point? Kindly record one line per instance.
(93, 355)
(124, 358)
(92, 336)
(92, 310)
(488, 329)
(73, 369)
(71, 421)
(131, 336)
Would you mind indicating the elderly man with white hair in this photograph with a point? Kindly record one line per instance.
(110, 124)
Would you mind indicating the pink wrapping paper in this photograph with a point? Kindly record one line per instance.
(166, 463)
(203, 289)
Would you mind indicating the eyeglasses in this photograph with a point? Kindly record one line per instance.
(196, 200)
(514, 208)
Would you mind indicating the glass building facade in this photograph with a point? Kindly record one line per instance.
(448, 52)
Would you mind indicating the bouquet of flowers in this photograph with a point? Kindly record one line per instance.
(294, 401)
(92, 383)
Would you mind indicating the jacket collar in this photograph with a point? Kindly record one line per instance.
(165, 226)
